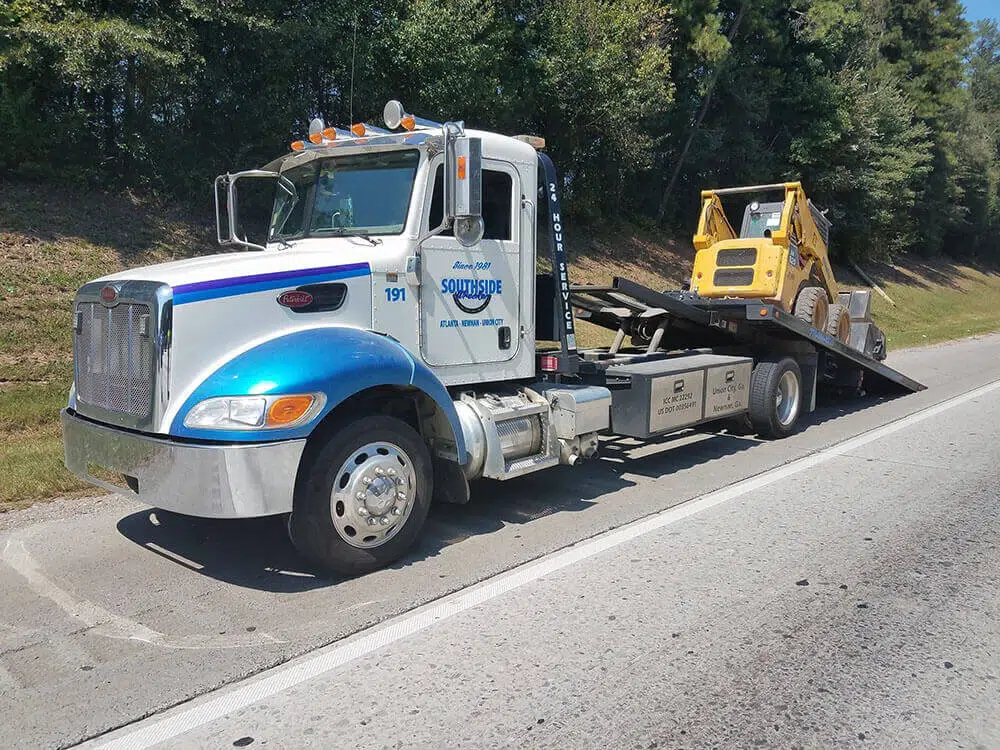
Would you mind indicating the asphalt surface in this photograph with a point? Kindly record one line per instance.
(846, 598)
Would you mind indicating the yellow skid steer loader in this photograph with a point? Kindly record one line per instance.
(779, 256)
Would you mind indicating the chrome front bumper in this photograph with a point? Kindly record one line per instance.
(231, 480)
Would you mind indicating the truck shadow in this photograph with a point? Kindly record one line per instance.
(256, 553)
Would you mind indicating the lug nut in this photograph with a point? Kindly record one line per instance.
(399, 480)
(397, 511)
(392, 472)
(385, 521)
(362, 510)
(372, 521)
(367, 480)
(379, 471)
(401, 495)
(361, 495)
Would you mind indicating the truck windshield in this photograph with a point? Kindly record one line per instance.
(361, 194)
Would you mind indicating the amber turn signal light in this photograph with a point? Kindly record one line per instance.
(288, 409)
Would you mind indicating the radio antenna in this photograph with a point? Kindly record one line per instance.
(354, 51)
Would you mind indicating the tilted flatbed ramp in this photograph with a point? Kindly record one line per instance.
(681, 319)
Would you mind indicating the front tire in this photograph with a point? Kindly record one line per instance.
(775, 397)
(812, 306)
(838, 324)
(362, 496)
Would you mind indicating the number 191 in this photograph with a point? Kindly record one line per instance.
(395, 294)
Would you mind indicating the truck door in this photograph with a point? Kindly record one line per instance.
(469, 297)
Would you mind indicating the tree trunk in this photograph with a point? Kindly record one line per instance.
(665, 200)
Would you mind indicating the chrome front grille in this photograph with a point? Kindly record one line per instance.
(121, 352)
(114, 355)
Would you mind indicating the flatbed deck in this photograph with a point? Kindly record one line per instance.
(658, 322)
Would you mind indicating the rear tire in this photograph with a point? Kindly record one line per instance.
(362, 496)
(775, 397)
(838, 324)
(812, 306)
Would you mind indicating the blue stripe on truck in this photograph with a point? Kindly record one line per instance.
(217, 288)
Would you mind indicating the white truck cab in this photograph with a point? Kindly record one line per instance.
(377, 349)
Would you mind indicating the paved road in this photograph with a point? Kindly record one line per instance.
(723, 620)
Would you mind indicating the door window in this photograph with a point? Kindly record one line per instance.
(498, 188)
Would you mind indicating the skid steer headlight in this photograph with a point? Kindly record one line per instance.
(255, 412)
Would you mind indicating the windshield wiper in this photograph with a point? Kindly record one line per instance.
(366, 237)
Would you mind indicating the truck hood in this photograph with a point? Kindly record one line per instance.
(303, 256)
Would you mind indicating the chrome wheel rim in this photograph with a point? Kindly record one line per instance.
(373, 494)
(787, 399)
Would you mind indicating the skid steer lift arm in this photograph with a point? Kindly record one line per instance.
(799, 225)
(713, 226)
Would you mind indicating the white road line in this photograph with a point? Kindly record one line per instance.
(225, 701)
(108, 624)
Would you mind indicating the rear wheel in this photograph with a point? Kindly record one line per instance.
(838, 323)
(363, 496)
(775, 397)
(812, 306)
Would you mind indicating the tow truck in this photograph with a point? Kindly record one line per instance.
(390, 340)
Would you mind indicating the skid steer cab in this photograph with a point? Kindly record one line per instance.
(381, 337)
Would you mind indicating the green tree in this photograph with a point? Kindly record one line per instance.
(97, 78)
(863, 153)
(922, 45)
(598, 73)
(978, 153)
(879, 106)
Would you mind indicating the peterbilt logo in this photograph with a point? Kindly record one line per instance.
(109, 295)
(295, 298)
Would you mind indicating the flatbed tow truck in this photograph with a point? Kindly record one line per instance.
(384, 347)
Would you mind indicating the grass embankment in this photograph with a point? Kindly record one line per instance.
(935, 301)
(51, 242)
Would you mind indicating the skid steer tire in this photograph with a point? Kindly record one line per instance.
(838, 324)
(775, 397)
(362, 496)
(812, 306)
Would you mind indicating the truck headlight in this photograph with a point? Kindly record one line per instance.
(255, 412)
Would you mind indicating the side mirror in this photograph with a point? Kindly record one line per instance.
(463, 194)
(227, 220)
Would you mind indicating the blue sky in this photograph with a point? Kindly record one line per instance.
(976, 9)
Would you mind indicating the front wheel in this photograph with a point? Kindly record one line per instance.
(775, 397)
(838, 324)
(362, 497)
(812, 306)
